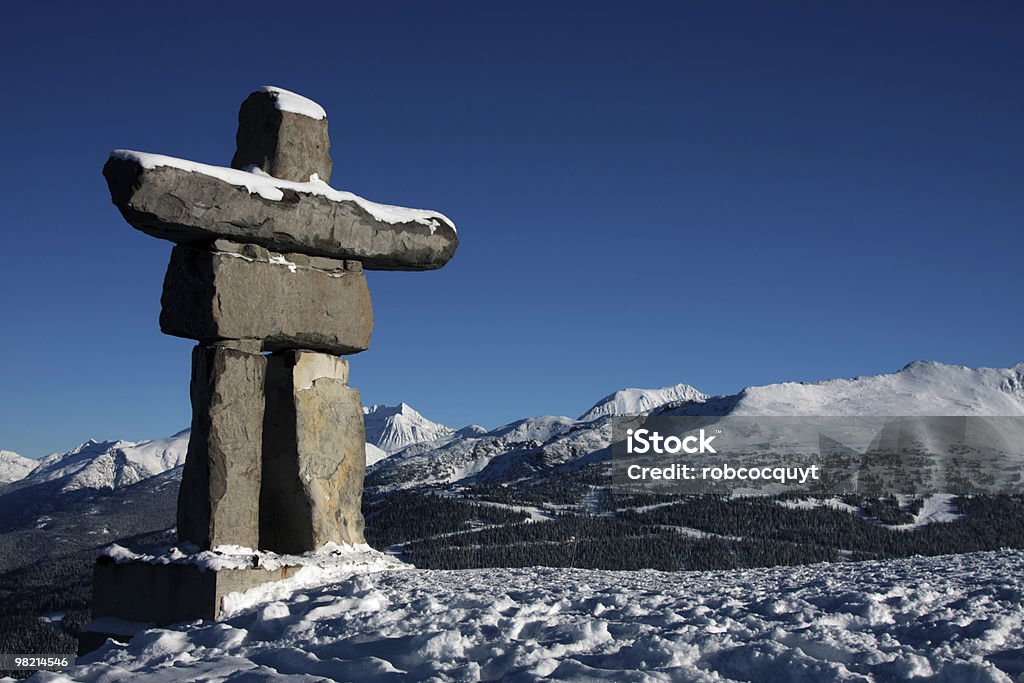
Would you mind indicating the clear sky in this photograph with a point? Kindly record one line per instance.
(719, 193)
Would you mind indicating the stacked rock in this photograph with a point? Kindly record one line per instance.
(267, 275)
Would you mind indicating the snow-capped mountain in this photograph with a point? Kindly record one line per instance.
(458, 458)
(14, 467)
(104, 465)
(920, 388)
(639, 401)
(392, 428)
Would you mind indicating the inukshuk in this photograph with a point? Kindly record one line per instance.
(267, 275)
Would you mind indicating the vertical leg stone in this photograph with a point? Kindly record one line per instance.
(313, 454)
(220, 486)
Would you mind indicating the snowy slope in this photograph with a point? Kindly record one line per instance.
(920, 388)
(392, 428)
(110, 464)
(14, 467)
(950, 618)
(374, 454)
(639, 401)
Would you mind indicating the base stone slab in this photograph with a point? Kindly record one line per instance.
(163, 594)
(134, 590)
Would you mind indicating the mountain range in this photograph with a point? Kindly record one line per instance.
(921, 388)
(405, 448)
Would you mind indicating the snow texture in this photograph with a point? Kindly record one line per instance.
(286, 100)
(951, 618)
(273, 189)
(14, 467)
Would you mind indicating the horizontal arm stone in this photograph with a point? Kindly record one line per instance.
(278, 301)
(185, 206)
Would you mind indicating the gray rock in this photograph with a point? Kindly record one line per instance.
(165, 594)
(245, 292)
(284, 144)
(220, 485)
(313, 454)
(189, 206)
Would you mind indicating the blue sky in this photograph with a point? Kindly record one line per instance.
(721, 194)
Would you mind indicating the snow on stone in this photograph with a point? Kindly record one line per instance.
(224, 557)
(640, 401)
(279, 260)
(273, 189)
(950, 618)
(14, 467)
(392, 428)
(286, 100)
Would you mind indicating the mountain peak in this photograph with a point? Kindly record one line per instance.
(392, 428)
(634, 401)
(384, 410)
(929, 365)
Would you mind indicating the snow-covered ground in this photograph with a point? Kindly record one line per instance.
(951, 618)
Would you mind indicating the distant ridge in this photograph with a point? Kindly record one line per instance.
(14, 467)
